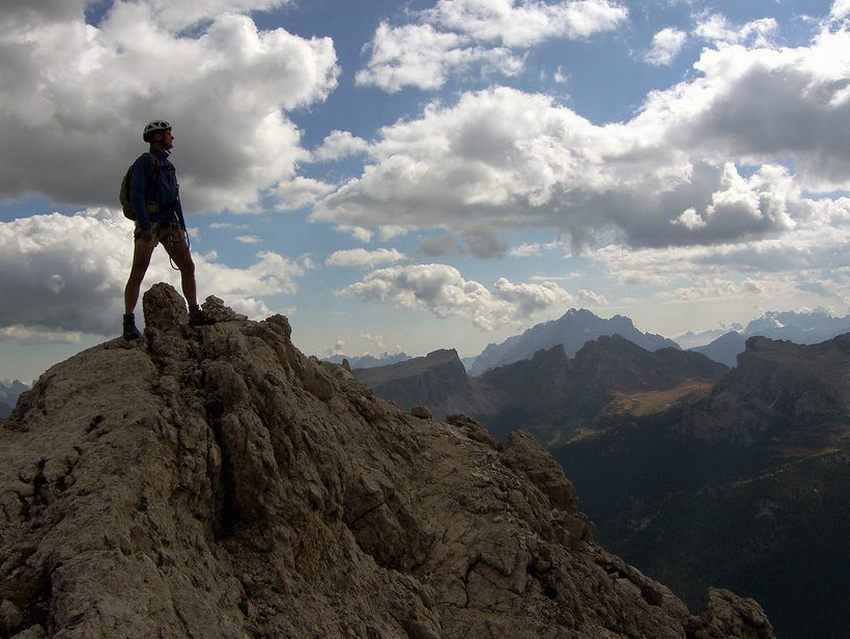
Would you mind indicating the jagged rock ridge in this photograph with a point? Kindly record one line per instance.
(214, 482)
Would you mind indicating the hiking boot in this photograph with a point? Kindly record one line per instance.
(197, 317)
(130, 330)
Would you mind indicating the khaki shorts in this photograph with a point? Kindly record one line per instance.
(163, 232)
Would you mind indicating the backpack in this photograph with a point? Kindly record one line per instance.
(126, 183)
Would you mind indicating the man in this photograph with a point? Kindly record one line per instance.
(155, 200)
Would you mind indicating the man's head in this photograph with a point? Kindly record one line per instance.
(158, 133)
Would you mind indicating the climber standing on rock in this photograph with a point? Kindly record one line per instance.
(150, 196)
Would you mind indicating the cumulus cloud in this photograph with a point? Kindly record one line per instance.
(359, 233)
(248, 239)
(717, 29)
(666, 45)
(421, 56)
(66, 274)
(523, 23)
(361, 257)
(68, 86)
(730, 154)
(300, 192)
(442, 289)
(339, 145)
(457, 35)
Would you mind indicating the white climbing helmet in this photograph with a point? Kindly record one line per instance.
(153, 127)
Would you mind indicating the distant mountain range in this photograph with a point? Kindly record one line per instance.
(9, 392)
(800, 328)
(573, 330)
(552, 395)
(549, 395)
(369, 361)
(745, 485)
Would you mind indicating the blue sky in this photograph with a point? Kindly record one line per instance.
(440, 173)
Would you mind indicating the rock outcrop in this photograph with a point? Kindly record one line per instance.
(214, 482)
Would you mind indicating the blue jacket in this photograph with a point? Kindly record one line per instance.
(165, 192)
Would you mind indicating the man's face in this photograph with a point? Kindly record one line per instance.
(166, 138)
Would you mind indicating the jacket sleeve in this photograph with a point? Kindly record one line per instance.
(142, 171)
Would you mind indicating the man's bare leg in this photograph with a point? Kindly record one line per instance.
(142, 251)
(178, 250)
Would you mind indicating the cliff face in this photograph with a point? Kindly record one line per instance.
(438, 381)
(214, 482)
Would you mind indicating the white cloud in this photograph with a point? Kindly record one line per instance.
(441, 289)
(666, 45)
(529, 299)
(719, 144)
(420, 56)
(361, 257)
(248, 239)
(228, 225)
(457, 36)
(840, 9)
(587, 297)
(66, 274)
(560, 77)
(67, 86)
(716, 29)
(690, 219)
(339, 145)
(377, 340)
(300, 192)
(534, 249)
(357, 232)
(523, 23)
(21, 334)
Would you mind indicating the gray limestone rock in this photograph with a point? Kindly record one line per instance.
(218, 483)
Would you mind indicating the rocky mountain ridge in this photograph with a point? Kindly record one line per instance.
(214, 482)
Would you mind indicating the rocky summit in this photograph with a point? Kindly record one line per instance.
(214, 482)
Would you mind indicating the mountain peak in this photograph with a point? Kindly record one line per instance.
(573, 330)
(215, 482)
